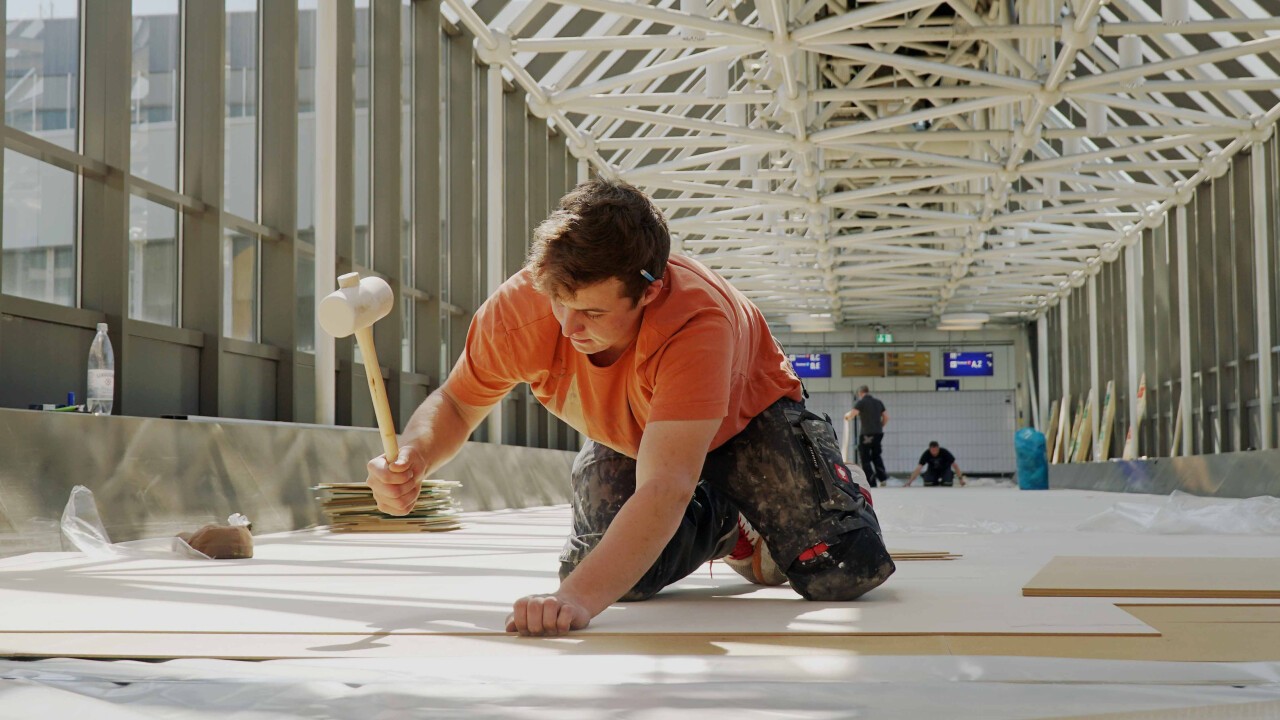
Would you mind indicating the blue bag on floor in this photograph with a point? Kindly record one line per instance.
(1033, 466)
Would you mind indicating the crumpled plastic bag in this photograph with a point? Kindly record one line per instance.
(82, 527)
(1186, 514)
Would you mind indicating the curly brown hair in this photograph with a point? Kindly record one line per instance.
(601, 229)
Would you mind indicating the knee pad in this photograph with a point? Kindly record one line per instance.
(847, 569)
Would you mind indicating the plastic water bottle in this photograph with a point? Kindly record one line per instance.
(102, 374)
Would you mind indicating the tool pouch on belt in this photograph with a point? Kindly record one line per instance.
(844, 509)
(832, 482)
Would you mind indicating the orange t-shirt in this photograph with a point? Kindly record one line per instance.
(703, 352)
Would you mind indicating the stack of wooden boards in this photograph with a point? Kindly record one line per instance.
(1070, 440)
(351, 507)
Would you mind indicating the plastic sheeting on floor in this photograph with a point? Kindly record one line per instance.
(957, 688)
(1185, 514)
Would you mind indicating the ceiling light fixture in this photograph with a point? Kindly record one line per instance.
(811, 322)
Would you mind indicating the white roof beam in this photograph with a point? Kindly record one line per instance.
(1207, 57)
(686, 63)
(609, 43)
(977, 77)
(895, 188)
(673, 18)
(1173, 111)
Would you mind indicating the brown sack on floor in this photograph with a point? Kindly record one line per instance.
(221, 542)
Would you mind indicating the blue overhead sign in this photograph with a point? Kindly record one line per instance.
(817, 365)
(946, 384)
(968, 364)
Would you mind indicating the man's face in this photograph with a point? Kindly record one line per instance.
(933, 450)
(599, 319)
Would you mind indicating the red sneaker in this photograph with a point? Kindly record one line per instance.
(751, 558)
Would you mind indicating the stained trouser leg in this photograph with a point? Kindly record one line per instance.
(878, 458)
(785, 473)
(866, 458)
(603, 479)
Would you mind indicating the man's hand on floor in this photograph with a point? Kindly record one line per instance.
(547, 615)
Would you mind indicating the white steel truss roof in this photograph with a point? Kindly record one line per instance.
(888, 161)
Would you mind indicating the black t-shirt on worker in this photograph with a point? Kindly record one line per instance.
(937, 464)
(870, 415)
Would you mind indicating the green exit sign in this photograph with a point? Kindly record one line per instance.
(884, 337)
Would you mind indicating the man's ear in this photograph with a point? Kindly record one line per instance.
(650, 293)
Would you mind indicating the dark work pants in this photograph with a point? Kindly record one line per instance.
(946, 477)
(784, 473)
(872, 457)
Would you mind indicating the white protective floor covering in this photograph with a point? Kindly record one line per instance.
(361, 587)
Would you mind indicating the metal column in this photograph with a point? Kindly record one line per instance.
(428, 179)
(1096, 387)
(385, 218)
(279, 168)
(494, 268)
(105, 131)
(327, 72)
(463, 270)
(1065, 349)
(1133, 308)
(1042, 370)
(1262, 275)
(1184, 329)
(203, 40)
(538, 204)
(516, 240)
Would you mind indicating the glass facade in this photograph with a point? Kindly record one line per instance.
(240, 139)
(153, 262)
(42, 69)
(240, 258)
(40, 211)
(154, 92)
(42, 97)
(361, 83)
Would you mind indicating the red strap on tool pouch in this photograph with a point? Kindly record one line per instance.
(813, 552)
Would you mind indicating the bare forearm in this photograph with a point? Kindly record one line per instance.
(439, 428)
(635, 538)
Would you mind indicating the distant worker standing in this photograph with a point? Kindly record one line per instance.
(874, 419)
(939, 467)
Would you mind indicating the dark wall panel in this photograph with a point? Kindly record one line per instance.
(304, 389)
(361, 405)
(249, 387)
(40, 362)
(161, 378)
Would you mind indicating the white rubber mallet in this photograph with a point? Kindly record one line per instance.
(353, 309)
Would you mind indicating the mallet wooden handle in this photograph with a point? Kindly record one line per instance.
(378, 393)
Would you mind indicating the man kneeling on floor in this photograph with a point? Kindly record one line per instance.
(700, 446)
(939, 465)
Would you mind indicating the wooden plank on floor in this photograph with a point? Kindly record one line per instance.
(1188, 633)
(1158, 577)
